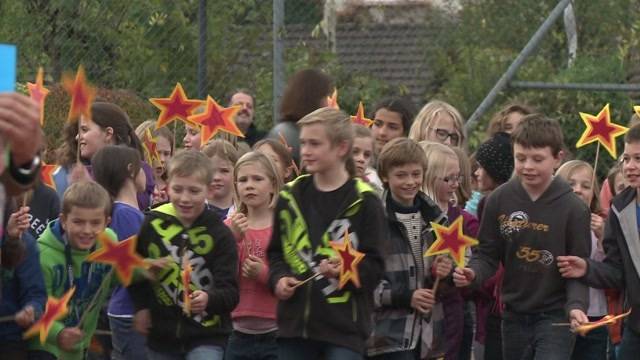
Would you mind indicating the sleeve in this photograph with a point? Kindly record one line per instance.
(17, 183)
(610, 272)
(29, 273)
(372, 235)
(47, 277)
(223, 263)
(140, 290)
(578, 244)
(385, 296)
(487, 256)
(278, 268)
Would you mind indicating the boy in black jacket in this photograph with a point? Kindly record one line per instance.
(184, 227)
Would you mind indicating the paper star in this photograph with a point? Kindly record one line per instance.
(216, 118)
(600, 128)
(332, 101)
(359, 118)
(186, 284)
(349, 260)
(46, 175)
(121, 255)
(82, 94)
(175, 107)
(38, 93)
(606, 320)
(451, 240)
(150, 146)
(55, 310)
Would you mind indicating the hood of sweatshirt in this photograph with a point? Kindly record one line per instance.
(557, 189)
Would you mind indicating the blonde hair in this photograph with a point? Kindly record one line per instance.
(188, 163)
(151, 125)
(569, 168)
(429, 113)
(338, 128)
(88, 195)
(437, 155)
(222, 149)
(256, 157)
(463, 193)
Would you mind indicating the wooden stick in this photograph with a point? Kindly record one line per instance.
(306, 280)
(595, 169)
(8, 318)
(434, 288)
(78, 145)
(561, 324)
(173, 145)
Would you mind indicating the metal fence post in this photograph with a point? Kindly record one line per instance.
(202, 49)
(278, 56)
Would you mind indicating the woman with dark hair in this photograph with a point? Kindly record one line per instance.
(306, 91)
(392, 118)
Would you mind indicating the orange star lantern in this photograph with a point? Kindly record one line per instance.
(216, 118)
(606, 320)
(601, 129)
(121, 255)
(186, 283)
(55, 310)
(82, 94)
(46, 175)
(150, 146)
(38, 93)
(349, 260)
(175, 107)
(359, 118)
(451, 240)
(332, 101)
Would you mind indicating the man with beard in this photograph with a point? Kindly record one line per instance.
(244, 118)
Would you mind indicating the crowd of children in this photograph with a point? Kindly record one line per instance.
(258, 228)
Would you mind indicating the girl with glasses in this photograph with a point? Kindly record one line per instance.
(439, 122)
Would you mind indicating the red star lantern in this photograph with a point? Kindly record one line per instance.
(349, 260)
(451, 240)
(38, 93)
(82, 94)
(601, 129)
(186, 284)
(55, 310)
(121, 255)
(216, 118)
(46, 175)
(150, 146)
(332, 101)
(176, 107)
(359, 118)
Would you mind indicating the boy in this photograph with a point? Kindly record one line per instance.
(621, 267)
(405, 294)
(64, 246)
(185, 228)
(526, 223)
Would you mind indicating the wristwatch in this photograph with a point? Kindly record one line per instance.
(30, 168)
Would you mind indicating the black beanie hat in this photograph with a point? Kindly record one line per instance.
(496, 157)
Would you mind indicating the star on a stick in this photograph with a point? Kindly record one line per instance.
(601, 129)
(121, 255)
(451, 240)
(82, 94)
(55, 310)
(216, 118)
(150, 145)
(332, 101)
(359, 118)
(186, 283)
(46, 175)
(349, 260)
(176, 107)
(39, 93)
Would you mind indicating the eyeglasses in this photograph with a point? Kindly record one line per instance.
(443, 134)
(453, 179)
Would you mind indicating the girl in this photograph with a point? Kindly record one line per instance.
(362, 156)
(223, 157)
(257, 184)
(192, 139)
(164, 147)
(579, 175)
(118, 170)
(613, 185)
(280, 155)
(439, 122)
(392, 118)
(109, 125)
(508, 118)
(316, 317)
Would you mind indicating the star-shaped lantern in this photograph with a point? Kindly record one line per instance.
(601, 129)
(186, 284)
(55, 310)
(176, 107)
(332, 101)
(121, 255)
(46, 175)
(359, 118)
(38, 93)
(349, 260)
(150, 145)
(216, 118)
(82, 94)
(451, 240)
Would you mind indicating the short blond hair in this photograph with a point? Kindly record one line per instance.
(436, 155)
(222, 149)
(187, 163)
(88, 195)
(399, 152)
(256, 157)
(429, 113)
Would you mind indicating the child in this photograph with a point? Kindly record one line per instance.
(507, 119)
(362, 156)
(180, 230)
(526, 223)
(257, 184)
(279, 154)
(192, 138)
(403, 296)
(164, 147)
(326, 205)
(392, 118)
(223, 157)
(439, 122)
(117, 169)
(618, 270)
(64, 246)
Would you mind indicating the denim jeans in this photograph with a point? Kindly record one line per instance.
(630, 345)
(127, 343)
(593, 346)
(399, 355)
(298, 348)
(493, 339)
(531, 336)
(251, 347)
(204, 352)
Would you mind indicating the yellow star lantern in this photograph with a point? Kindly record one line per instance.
(601, 129)
(349, 260)
(150, 146)
(55, 310)
(216, 118)
(451, 240)
(359, 118)
(82, 94)
(121, 255)
(39, 93)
